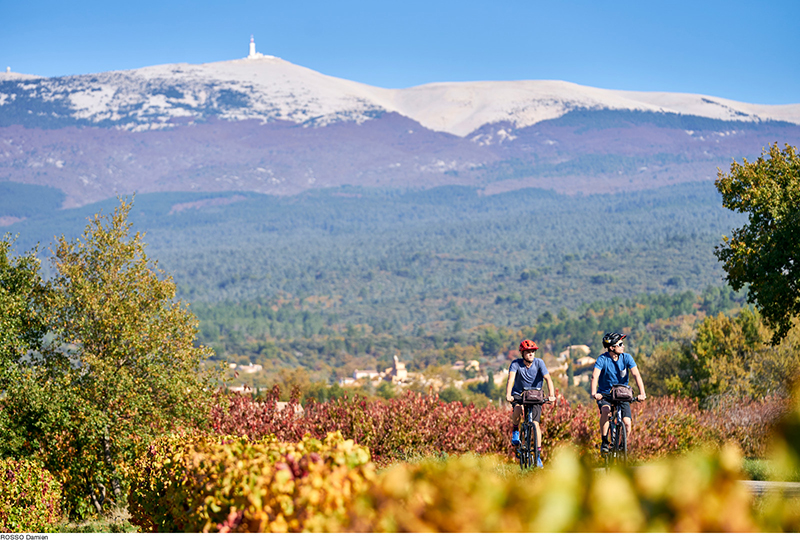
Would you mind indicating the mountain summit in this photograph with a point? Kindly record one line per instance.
(268, 88)
(266, 125)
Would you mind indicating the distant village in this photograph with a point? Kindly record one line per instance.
(577, 357)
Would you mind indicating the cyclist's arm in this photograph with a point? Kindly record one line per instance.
(595, 380)
(512, 374)
(550, 387)
(639, 383)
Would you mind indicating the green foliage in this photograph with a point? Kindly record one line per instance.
(22, 330)
(228, 484)
(724, 356)
(765, 252)
(451, 394)
(21, 324)
(393, 261)
(30, 497)
(385, 390)
(119, 367)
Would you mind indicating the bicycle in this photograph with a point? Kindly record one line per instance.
(527, 455)
(617, 454)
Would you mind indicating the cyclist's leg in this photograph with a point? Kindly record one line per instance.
(516, 417)
(537, 416)
(605, 414)
(626, 417)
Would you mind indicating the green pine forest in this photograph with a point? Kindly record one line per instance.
(336, 279)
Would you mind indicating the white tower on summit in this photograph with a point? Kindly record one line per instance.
(253, 53)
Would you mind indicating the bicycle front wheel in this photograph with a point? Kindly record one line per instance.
(528, 431)
(524, 449)
(622, 445)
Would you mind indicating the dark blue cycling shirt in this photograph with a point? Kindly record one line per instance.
(527, 378)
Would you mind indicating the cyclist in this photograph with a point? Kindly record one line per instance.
(529, 372)
(613, 368)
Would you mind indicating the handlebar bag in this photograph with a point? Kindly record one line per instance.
(621, 393)
(533, 396)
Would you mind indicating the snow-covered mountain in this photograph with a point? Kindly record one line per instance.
(266, 125)
(270, 89)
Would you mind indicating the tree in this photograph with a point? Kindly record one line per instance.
(21, 325)
(22, 330)
(385, 390)
(724, 356)
(765, 252)
(121, 367)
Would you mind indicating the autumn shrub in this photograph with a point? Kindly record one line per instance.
(669, 425)
(563, 423)
(666, 425)
(202, 483)
(30, 497)
(697, 492)
(748, 423)
(414, 425)
(411, 425)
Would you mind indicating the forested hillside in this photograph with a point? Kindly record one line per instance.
(333, 278)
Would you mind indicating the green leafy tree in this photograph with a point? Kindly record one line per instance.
(21, 324)
(121, 367)
(22, 330)
(451, 394)
(385, 390)
(765, 252)
(491, 341)
(722, 357)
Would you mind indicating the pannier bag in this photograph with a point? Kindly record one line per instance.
(533, 396)
(621, 393)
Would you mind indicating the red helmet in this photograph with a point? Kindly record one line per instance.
(527, 345)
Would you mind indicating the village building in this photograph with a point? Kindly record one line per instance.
(397, 373)
(369, 373)
(469, 365)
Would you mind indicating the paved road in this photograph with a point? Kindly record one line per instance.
(760, 488)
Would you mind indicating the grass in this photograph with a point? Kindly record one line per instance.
(115, 521)
(758, 469)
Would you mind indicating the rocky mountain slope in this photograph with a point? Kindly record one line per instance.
(268, 126)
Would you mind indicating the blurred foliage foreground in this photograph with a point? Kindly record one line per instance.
(232, 484)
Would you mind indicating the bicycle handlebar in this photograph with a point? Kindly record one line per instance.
(518, 400)
(607, 397)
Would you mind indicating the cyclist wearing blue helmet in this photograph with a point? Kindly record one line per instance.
(613, 368)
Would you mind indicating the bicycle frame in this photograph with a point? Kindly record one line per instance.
(528, 451)
(617, 437)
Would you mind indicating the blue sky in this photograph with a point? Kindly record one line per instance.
(742, 50)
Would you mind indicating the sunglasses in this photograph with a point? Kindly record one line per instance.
(619, 345)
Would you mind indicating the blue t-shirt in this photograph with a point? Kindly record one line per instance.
(613, 372)
(527, 378)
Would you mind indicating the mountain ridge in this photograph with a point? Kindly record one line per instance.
(268, 126)
(270, 88)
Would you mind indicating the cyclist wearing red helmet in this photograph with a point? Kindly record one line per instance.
(529, 372)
